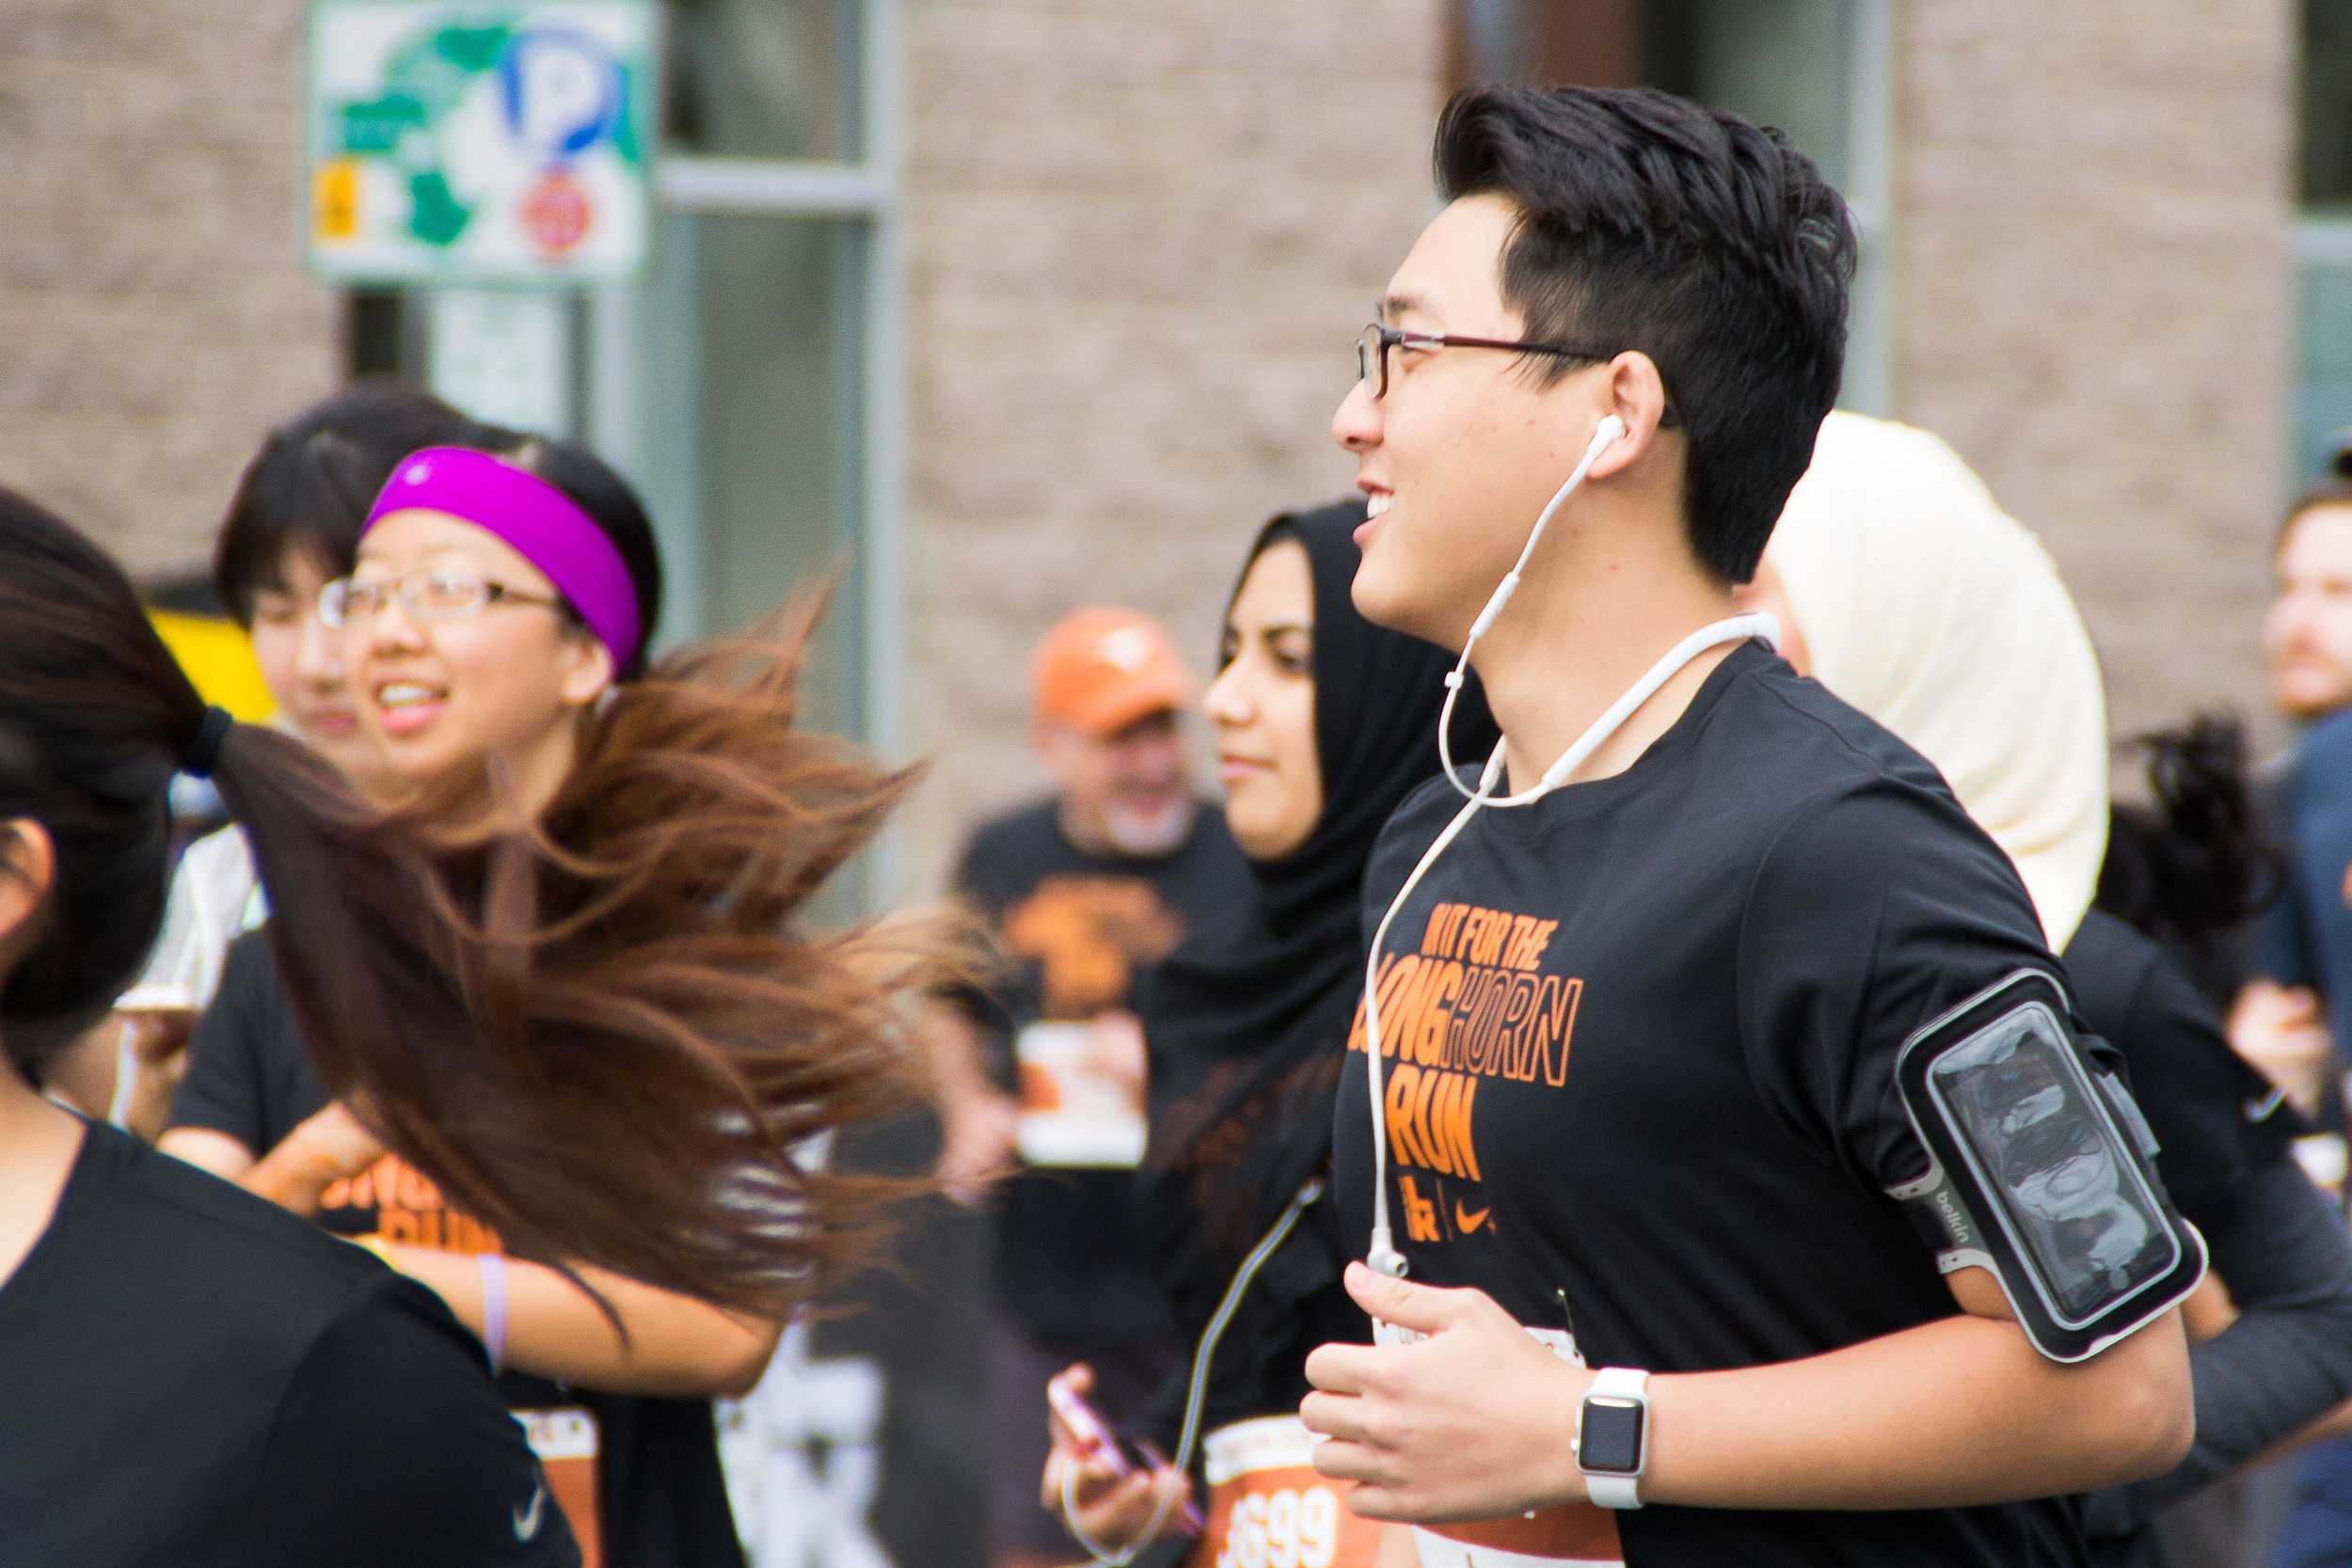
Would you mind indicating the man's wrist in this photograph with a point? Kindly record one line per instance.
(1613, 1445)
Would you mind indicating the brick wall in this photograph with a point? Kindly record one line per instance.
(152, 305)
(2091, 304)
(1144, 235)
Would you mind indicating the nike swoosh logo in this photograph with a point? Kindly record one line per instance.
(2258, 1107)
(528, 1520)
(1468, 1221)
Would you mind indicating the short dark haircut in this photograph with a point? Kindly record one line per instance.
(1648, 222)
(309, 488)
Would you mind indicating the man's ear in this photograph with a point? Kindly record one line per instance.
(1637, 395)
(28, 868)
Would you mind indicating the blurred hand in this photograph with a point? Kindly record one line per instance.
(334, 1144)
(158, 1040)
(977, 1137)
(1113, 1510)
(2282, 1030)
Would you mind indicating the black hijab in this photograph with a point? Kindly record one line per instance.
(1250, 1017)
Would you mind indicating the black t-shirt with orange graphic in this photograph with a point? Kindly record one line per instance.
(661, 1496)
(1640, 1040)
(1083, 929)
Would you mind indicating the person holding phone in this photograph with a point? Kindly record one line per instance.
(1902, 587)
(1688, 938)
(1324, 722)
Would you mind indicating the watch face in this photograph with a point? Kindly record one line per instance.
(1612, 1439)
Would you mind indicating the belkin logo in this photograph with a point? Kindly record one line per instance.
(1955, 1217)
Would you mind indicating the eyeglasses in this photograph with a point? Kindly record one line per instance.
(431, 595)
(1372, 355)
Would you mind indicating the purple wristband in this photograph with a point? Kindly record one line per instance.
(493, 1307)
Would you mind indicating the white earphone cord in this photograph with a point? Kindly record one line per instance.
(1383, 1258)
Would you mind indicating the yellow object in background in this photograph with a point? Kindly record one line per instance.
(336, 200)
(218, 657)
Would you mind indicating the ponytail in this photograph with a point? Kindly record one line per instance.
(2195, 864)
(605, 1033)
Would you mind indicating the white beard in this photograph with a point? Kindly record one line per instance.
(1148, 834)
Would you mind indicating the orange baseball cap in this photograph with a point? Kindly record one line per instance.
(1101, 669)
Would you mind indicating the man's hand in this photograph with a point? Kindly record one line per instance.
(1473, 1423)
(2284, 1031)
(1115, 1511)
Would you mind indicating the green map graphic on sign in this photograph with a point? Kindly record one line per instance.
(453, 139)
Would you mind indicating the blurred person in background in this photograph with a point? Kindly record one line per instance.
(1324, 722)
(1902, 587)
(1085, 889)
(293, 525)
(2288, 1019)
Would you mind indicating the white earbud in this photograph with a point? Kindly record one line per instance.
(1611, 430)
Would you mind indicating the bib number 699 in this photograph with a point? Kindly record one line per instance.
(1293, 1528)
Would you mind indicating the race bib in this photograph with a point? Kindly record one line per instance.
(565, 1441)
(1577, 1535)
(1270, 1508)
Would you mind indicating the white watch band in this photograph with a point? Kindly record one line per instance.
(1614, 1490)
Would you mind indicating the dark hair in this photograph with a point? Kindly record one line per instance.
(310, 486)
(1712, 245)
(604, 1033)
(597, 488)
(2191, 867)
(2335, 490)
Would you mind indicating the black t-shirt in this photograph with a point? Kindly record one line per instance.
(1084, 929)
(662, 1492)
(191, 1376)
(2215, 1117)
(1643, 1035)
(2227, 1160)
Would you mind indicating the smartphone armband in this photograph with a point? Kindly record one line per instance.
(2042, 1170)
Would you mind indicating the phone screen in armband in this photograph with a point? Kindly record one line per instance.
(2037, 1176)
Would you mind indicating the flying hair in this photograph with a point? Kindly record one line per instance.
(606, 1032)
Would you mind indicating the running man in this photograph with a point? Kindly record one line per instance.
(1644, 1090)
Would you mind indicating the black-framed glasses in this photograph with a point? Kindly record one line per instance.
(430, 596)
(1372, 355)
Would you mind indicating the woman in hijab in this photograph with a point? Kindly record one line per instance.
(1903, 588)
(1325, 723)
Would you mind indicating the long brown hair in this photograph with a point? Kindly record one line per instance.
(605, 1033)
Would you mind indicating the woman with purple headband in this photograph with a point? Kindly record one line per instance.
(568, 979)
(500, 601)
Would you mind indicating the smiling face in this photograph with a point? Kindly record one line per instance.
(510, 680)
(1466, 448)
(302, 663)
(1263, 703)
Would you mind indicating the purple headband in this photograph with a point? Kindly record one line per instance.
(542, 522)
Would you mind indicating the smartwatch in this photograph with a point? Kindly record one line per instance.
(1612, 1444)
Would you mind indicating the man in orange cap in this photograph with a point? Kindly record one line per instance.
(1087, 889)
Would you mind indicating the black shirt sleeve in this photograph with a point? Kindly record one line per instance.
(223, 1090)
(2217, 1119)
(392, 1449)
(2286, 1257)
(1869, 916)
